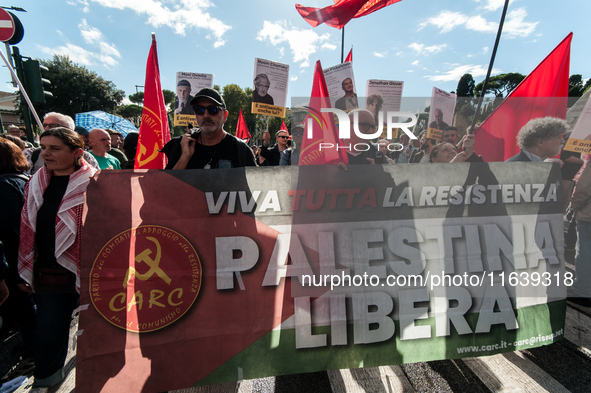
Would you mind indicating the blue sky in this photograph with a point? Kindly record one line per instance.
(424, 43)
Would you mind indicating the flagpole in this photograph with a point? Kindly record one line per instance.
(343, 45)
(490, 66)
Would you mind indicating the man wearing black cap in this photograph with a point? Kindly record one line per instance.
(183, 98)
(210, 147)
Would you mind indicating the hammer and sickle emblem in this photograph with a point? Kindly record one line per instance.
(142, 159)
(144, 256)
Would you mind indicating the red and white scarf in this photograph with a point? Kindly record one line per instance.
(68, 222)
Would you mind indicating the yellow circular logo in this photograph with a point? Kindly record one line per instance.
(145, 278)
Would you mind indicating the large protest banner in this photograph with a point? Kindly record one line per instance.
(199, 277)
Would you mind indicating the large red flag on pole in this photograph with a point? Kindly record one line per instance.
(154, 132)
(241, 128)
(349, 56)
(339, 14)
(320, 127)
(544, 92)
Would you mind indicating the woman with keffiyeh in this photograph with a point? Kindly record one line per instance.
(49, 252)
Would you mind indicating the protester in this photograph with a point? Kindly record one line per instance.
(581, 204)
(422, 156)
(130, 149)
(383, 155)
(49, 250)
(100, 146)
(116, 144)
(211, 146)
(451, 135)
(18, 310)
(17, 141)
(572, 164)
(404, 150)
(13, 130)
(50, 121)
(83, 132)
(273, 156)
(361, 151)
(447, 152)
(291, 155)
(540, 139)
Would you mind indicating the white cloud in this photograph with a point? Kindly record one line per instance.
(422, 49)
(86, 9)
(459, 70)
(328, 46)
(381, 55)
(76, 53)
(416, 62)
(493, 5)
(303, 43)
(293, 78)
(281, 52)
(106, 55)
(410, 71)
(515, 24)
(182, 16)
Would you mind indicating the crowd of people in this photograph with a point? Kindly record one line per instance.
(42, 190)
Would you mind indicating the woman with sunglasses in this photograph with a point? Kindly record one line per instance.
(49, 251)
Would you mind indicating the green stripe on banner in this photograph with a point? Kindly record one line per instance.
(539, 325)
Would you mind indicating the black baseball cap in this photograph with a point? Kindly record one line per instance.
(212, 94)
(81, 130)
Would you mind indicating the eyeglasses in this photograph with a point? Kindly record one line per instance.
(212, 109)
(366, 127)
(267, 86)
(282, 136)
(51, 125)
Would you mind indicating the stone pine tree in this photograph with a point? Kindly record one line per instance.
(76, 89)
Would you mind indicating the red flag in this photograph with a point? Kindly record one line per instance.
(283, 127)
(154, 132)
(349, 56)
(241, 128)
(544, 92)
(322, 127)
(339, 14)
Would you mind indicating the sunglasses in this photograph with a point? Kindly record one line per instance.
(282, 136)
(51, 125)
(212, 109)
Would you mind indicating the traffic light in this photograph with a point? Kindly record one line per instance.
(34, 81)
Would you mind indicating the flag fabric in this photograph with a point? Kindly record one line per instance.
(544, 92)
(284, 127)
(341, 12)
(154, 132)
(349, 56)
(321, 126)
(241, 128)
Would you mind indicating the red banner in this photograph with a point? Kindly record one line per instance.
(349, 56)
(544, 92)
(339, 14)
(320, 127)
(154, 132)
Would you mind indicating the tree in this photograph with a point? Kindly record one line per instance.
(465, 92)
(575, 85)
(75, 89)
(131, 112)
(500, 85)
(169, 96)
(137, 98)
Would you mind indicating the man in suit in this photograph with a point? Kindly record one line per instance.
(349, 100)
(438, 123)
(183, 98)
(540, 139)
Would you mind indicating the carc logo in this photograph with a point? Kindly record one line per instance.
(145, 278)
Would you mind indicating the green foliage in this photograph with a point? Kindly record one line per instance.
(169, 96)
(137, 98)
(500, 85)
(131, 112)
(465, 92)
(76, 89)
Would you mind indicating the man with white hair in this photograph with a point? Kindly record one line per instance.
(100, 144)
(53, 120)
